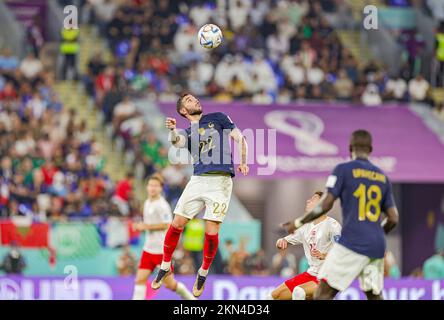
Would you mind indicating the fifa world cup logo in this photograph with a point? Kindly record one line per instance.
(307, 135)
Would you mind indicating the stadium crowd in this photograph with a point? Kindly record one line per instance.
(50, 166)
(155, 50)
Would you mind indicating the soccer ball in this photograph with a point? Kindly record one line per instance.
(210, 36)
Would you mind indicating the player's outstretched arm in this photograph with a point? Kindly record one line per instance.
(237, 136)
(325, 204)
(391, 220)
(150, 227)
(176, 139)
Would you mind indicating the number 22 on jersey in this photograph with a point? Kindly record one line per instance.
(368, 199)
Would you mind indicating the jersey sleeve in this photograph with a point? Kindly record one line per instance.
(335, 181)
(295, 237)
(387, 201)
(187, 134)
(226, 121)
(335, 231)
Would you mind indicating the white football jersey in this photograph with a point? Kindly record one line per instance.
(320, 236)
(156, 212)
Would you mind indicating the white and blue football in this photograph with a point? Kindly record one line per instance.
(210, 36)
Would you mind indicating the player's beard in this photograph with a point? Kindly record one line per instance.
(196, 112)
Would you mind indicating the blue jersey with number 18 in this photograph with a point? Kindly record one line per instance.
(365, 192)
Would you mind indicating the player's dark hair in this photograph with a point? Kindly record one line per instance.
(319, 193)
(129, 175)
(361, 141)
(158, 177)
(179, 103)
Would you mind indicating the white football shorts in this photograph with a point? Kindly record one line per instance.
(211, 192)
(342, 266)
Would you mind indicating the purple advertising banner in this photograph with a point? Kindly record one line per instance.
(309, 140)
(29, 13)
(216, 288)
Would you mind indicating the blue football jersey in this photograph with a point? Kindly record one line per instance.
(365, 192)
(209, 145)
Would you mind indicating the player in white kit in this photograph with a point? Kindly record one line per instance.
(157, 217)
(317, 238)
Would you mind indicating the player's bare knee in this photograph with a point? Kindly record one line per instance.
(275, 294)
(179, 222)
(212, 227)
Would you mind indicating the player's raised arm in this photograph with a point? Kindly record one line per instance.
(237, 136)
(325, 204)
(177, 140)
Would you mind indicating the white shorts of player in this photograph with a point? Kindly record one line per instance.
(342, 266)
(211, 192)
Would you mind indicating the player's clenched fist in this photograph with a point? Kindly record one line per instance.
(170, 123)
(281, 244)
(243, 168)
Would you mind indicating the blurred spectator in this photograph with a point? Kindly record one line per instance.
(396, 89)
(262, 97)
(439, 52)
(126, 262)
(418, 88)
(69, 49)
(343, 86)
(236, 263)
(439, 111)
(34, 35)
(371, 96)
(257, 263)
(123, 111)
(237, 87)
(284, 264)
(433, 267)
(183, 263)
(13, 262)
(124, 193)
(391, 269)
(95, 66)
(8, 61)
(417, 273)
(31, 67)
(229, 250)
(175, 179)
(414, 45)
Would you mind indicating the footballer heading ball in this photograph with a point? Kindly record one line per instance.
(210, 36)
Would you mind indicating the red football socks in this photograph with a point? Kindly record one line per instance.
(210, 250)
(171, 239)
